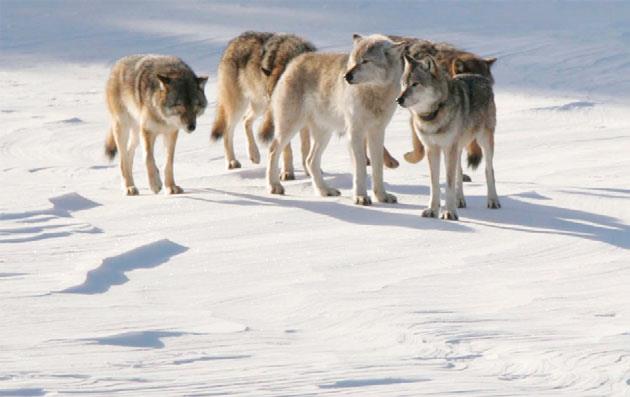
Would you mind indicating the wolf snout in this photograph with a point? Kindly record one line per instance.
(191, 126)
(349, 77)
(401, 100)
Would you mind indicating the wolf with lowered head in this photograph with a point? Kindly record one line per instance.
(147, 96)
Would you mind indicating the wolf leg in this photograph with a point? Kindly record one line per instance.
(433, 156)
(120, 130)
(305, 147)
(170, 139)
(148, 143)
(451, 157)
(461, 200)
(359, 161)
(313, 162)
(417, 154)
(375, 141)
(288, 173)
(486, 141)
(253, 112)
(285, 132)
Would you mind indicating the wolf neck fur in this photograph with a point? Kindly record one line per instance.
(436, 121)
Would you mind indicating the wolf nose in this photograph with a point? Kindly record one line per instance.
(348, 76)
(400, 100)
(191, 127)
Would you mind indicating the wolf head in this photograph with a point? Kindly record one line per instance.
(374, 59)
(470, 63)
(181, 99)
(424, 85)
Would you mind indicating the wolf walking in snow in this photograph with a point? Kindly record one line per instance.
(449, 113)
(338, 92)
(147, 96)
(248, 72)
(455, 61)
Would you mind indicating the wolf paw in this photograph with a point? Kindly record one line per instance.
(276, 189)
(156, 185)
(363, 200)
(387, 198)
(329, 192)
(233, 164)
(461, 202)
(493, 203)
(254, 156)
(391, 163)
(287, 176)
(174, 189)
(466, 178)
(429, 213)
(131, 191)
(450, 215)
(412, 157)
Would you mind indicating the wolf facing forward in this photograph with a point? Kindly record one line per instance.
(147, 96)
(454, 61)
(338, 92)
(448, 114)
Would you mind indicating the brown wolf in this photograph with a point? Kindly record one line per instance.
(449, 113)
(249, 69)
(455, 61)
(147, 96)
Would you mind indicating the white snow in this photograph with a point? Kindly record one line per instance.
(227, 290)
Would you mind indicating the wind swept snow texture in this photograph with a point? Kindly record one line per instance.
(226, 290)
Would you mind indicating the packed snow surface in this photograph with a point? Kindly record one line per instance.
(227, 290)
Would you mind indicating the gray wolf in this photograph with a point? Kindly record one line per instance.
(147, 96)
(248, 72)
(352, 93)
(455, 61)
(449, 113)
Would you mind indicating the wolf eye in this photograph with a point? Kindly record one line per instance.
(364, 61)
(415, 84)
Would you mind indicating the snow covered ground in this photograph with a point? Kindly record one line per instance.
(227, 290)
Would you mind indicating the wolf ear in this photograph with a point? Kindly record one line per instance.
(490, 61)
(265, 71)
(356, 38)
(164, 81)
(458, 66)
(428, 63)
(202, 80)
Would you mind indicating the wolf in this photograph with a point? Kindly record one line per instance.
(248, 72)
(329, 92)
(449, 113)
(147, 96)
(455, 61)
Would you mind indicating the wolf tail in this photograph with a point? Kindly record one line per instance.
(220, 124)
(110, 145)
(474, 154)
(266, 131)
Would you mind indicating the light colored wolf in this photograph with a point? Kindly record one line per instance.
(248, 72)
(337, 92)
(448, 113)
(147, 96)
(455, 61)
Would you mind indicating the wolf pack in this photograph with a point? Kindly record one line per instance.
(282, 78)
